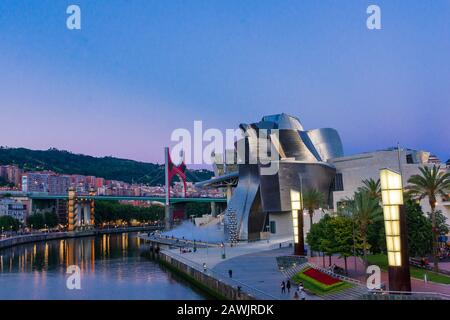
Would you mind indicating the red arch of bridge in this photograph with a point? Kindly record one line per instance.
(174, 170)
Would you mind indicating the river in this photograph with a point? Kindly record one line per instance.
(111, 267)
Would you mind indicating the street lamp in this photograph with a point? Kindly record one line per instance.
(297, 222)
(396, 234)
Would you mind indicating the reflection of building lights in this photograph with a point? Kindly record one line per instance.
(392, 196)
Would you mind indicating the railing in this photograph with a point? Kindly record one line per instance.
(259, 294)
(413, 294)
(178, 241)
(336, 275)
(284, 244)
(300, 267)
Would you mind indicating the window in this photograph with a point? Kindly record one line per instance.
(273, 227)
(338, 183)
(409, 158)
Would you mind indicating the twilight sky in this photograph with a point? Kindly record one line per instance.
(139, 69)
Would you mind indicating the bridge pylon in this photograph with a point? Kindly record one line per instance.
(172, 170)
(71, 209)
(80, 210)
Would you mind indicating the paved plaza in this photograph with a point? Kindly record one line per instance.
(252, 264)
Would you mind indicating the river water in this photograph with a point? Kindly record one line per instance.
(111, 267)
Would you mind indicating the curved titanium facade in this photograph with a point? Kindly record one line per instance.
(302, 164)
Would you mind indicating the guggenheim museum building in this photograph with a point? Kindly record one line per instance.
(259, 202)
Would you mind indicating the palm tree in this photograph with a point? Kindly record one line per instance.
(365, 210)
(372, 187)
(430, 183)
(312, 200)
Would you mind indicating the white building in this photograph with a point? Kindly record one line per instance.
(352, 170)
(13, 208)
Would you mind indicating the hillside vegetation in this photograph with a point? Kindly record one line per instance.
(110, 168)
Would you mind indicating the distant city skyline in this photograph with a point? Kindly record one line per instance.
(140, 69)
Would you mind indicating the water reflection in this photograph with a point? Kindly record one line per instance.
(112, 267)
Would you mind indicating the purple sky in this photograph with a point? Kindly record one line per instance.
(140, 69)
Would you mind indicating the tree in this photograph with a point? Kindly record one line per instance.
(430, 183)
(6, 222)
(343, 235)
(51, 219)
(36, 220)
(441, 223)
(365, 210)
(197, 209)
(110, 211)
(317, 237)
(420, 236)
(312, 200)
(375, 232)
(376, 236)
(372, 187)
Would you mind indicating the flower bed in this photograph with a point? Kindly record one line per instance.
(320, 276)
(318, 279)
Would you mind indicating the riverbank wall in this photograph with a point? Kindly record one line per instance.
(38, 237)
(205, 280)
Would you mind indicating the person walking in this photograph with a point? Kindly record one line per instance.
(230, 273)
(296, 296)
(288, 286)
(283, 287)
(302, 295)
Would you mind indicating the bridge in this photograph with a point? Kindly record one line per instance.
(78, 208)
(127, 198)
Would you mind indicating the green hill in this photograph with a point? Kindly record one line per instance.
(110, 168)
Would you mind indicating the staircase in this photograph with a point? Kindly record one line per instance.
(357, 292)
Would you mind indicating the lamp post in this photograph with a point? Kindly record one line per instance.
(396, 232)
(297, 222)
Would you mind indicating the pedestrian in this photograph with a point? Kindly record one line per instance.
(204, 266)
(283, 287)
(230, 273)
(302, 295)
(288, 286)
(296, 296)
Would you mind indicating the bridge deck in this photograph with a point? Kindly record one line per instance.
(126, 198)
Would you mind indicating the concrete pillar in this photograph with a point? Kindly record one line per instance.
(168, 217)
(86, 213)
(213, 209)
(77, 219)
(92, 206)
(30, 207)
(71, 210)
(229, 193)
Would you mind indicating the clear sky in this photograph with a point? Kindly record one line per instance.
(139, 69)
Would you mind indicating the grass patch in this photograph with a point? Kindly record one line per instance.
(317, 287)
(418, 273)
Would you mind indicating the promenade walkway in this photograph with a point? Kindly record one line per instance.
(260, 270)
(253, 265)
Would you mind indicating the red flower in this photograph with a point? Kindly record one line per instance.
(321, 277)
